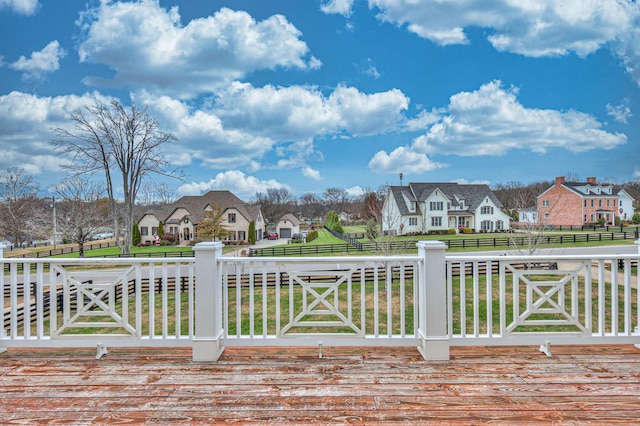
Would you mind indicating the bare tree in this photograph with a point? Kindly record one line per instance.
(335, 199)
(123, 143)
(309, 204)
(18, 195)
(275, 203)
(80, 212)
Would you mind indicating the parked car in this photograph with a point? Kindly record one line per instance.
(297, 237)
(272, 236)
(103, 236)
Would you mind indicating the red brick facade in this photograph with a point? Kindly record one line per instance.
(560, 205)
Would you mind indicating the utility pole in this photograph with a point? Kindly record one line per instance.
(55, 221)
(401, 176)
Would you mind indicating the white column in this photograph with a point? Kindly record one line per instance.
(207, 343)
(636, 242)
(2, 247)
(432, 299)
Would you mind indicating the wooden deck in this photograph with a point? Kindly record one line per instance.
(509, 385)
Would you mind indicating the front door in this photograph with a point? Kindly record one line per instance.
(185, 234)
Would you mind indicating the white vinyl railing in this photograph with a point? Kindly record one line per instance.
(429, 300)
(97, 302)
(524, 300)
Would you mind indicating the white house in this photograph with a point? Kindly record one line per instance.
(419, 208)
(287, 226)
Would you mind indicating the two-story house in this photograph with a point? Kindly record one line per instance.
(579, 203)
(182, 217)
(423, 207)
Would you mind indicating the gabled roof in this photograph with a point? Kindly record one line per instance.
(196, 204)
(472, 194)
(291, 218)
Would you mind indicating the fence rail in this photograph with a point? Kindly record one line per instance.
(470, 243)
(430, 300)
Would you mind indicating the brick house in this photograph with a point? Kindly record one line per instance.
(580, 203)
(182, 217)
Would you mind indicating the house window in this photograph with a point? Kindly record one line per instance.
(545, 203)
(413, 221)
(436, 206)
(485, 225)
(591, 203)
(614, 203)
(608, 203)
(436, 221)
(546, 215)
(232, 218)
(599, 203)
(154, 230)
(486, 210)
(144, 231)
(499, 225)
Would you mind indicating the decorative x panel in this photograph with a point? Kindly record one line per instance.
(550, 299)
(93, 299)
(320, 301)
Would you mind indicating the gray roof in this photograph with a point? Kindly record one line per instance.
(473, 194)
(196, 204)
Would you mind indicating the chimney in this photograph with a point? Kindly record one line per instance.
(591, 180)
(559, 180)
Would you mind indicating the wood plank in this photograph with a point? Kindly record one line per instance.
(348, 385)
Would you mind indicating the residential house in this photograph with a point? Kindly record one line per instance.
(287, 226)
(579, 203)
(423, 207)
(182, 217)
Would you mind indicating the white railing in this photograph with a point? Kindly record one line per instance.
(428, 300)
(525, 300)
(97, 302)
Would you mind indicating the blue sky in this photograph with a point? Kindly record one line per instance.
(310, 95)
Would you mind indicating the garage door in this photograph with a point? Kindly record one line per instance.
(285, 232)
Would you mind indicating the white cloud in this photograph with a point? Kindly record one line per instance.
(403, 159)
(311, 173)
(25, 128)
(235, 181)
(340, 7)
(25, 7)
(620, 113)
(355, 191)
(531, 28)
(41, 62)
(300, 113)
(147, 46)
(491, 121)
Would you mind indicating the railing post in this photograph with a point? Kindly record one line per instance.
(207, 343)
(432, 299)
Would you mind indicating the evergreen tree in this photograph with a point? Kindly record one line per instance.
(136, 238)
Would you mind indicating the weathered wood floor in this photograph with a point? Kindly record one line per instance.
(510, 385)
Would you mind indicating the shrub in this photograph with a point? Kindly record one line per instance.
(135, 235)
(636, 218)
(252, 233)
(467, 230)
(312, 235)
(451, 231)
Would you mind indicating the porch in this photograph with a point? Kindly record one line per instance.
(357, 385)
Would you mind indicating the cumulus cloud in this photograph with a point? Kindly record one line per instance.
(541, 28)
(41, 62)
(147, 46)
(491, 121)
(620, 113)
(310, 173)
(530, 28)
(235, 181)
(403, 159)
(340, 7)
(300, 113)
(24, 7)
(25, 123)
